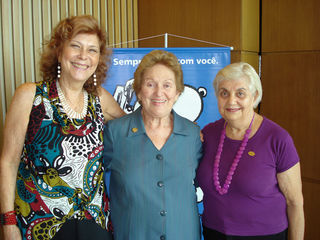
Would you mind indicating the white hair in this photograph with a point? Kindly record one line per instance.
(236, 71)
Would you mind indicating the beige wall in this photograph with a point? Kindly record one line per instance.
(24, 24)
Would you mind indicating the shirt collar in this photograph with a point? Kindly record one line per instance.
(136, 126)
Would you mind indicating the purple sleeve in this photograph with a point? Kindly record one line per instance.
(287, 154)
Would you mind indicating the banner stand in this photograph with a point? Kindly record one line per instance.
(165, 35)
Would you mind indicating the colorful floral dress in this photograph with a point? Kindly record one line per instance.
(60, 176)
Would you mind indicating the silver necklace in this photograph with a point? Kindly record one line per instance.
(69, 111)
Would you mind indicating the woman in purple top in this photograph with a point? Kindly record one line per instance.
(250, 172)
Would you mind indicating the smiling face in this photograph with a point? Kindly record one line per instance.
(158, 92)
(235, 101)
(80, 57)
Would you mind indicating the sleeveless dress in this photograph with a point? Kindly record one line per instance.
(60, 176)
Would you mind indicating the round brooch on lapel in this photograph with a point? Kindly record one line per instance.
(251, 153)
(134, 130)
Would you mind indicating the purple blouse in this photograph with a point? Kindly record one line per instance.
(254, 204)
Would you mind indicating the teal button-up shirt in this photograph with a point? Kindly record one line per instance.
(152, 195)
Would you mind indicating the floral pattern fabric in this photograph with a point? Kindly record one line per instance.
(60, 176)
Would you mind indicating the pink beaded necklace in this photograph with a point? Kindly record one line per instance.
(226, 185)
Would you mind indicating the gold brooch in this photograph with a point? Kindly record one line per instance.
(251, 153)
(134, 130)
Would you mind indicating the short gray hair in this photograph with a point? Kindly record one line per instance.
(236, 71)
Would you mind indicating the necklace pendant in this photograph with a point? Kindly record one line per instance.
(223, 190)
(68, 110)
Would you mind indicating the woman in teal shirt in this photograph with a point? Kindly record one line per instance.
(153, 154)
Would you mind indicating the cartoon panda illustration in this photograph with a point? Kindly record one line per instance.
(124, 95)
(199, 194)
(189, 104)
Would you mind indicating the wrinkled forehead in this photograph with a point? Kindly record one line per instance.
(238, 81)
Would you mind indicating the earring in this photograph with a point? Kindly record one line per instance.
(58, 70)
(94, 80)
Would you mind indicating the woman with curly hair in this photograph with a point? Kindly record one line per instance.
(51, 179)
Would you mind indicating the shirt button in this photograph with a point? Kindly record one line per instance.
(163, 237)
(163, 213)
(159, 156)
(160, 184)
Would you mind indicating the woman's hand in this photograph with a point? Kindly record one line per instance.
(201, 136)
(11, 232)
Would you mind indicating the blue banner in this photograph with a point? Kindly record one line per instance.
(197, 103)
(199, 65)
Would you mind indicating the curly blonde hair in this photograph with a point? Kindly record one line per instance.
(67, 29)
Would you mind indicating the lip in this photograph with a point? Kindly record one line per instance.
(79, 66)
(158, 101)
(233, 109)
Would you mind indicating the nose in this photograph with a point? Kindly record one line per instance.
(158, 90)
(232, 99)
(82, 53)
